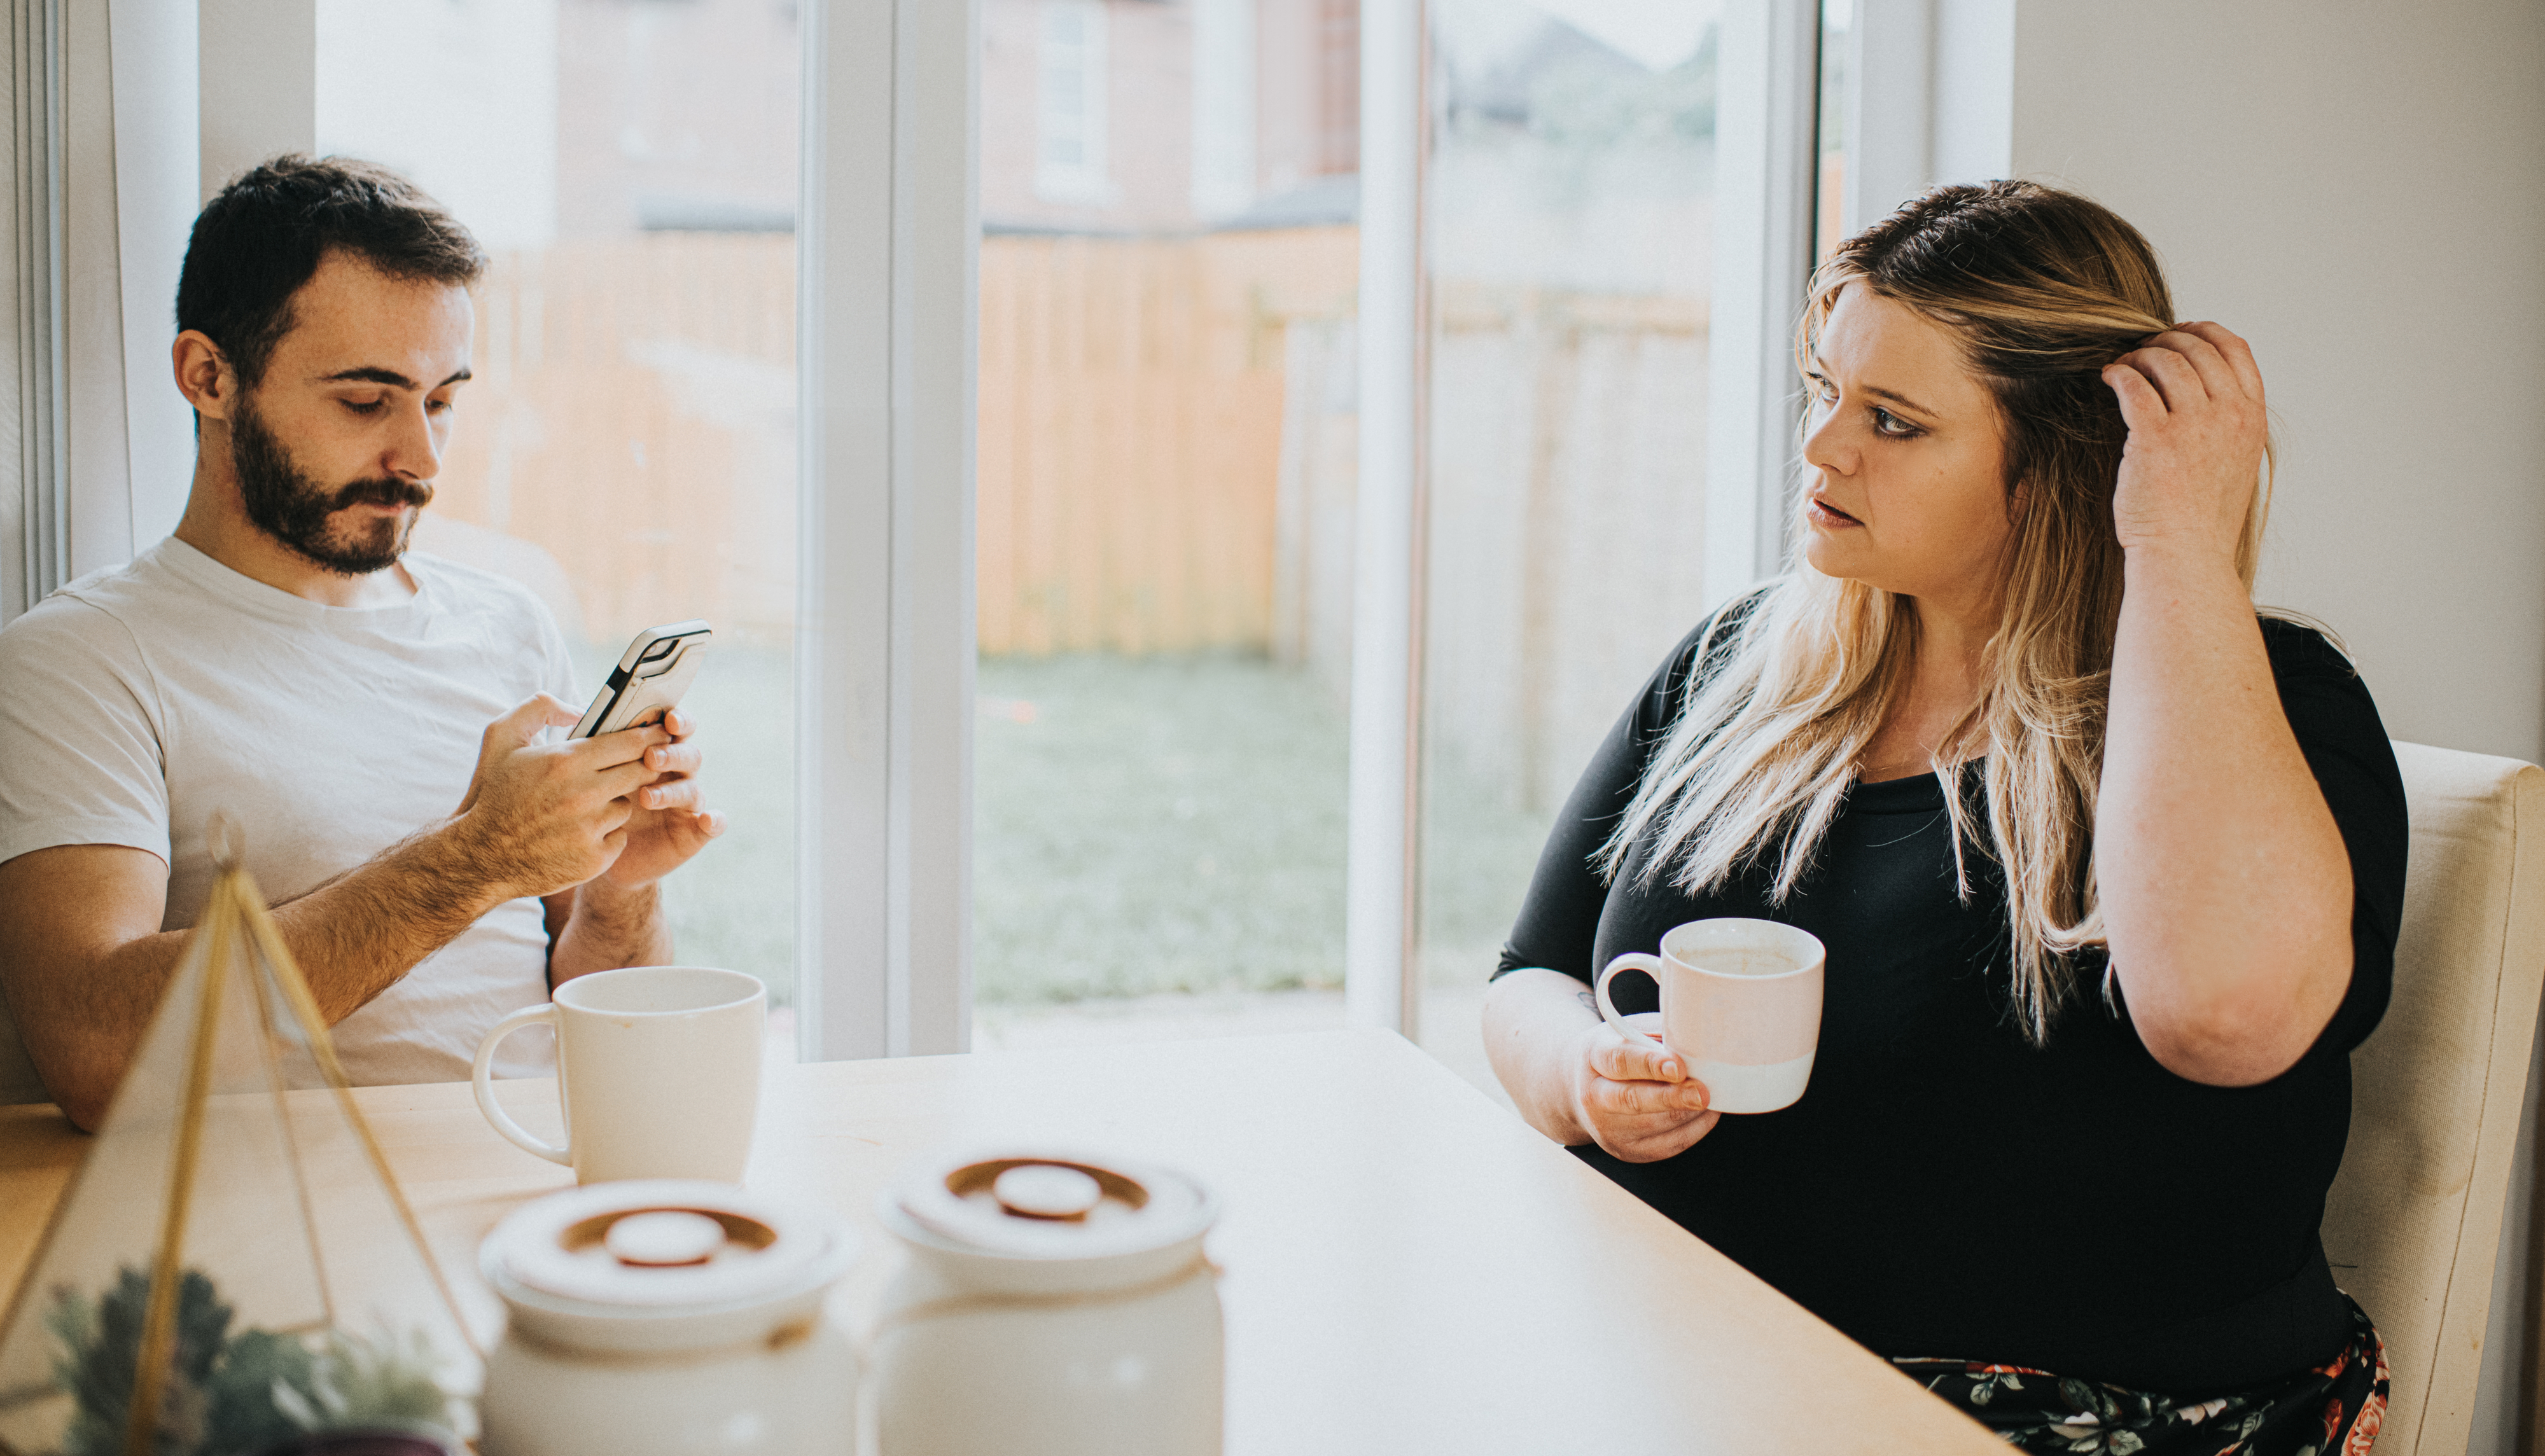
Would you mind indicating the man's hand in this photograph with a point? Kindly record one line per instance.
(543, 817)
(671, 820)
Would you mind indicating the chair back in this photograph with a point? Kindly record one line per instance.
(2413, 1224)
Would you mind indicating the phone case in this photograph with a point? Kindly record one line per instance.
(650, 678)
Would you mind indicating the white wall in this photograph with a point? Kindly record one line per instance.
(2359, 189)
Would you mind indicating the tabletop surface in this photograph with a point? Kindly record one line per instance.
(1408, 1266)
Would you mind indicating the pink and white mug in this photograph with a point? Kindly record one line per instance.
(1741, 1005)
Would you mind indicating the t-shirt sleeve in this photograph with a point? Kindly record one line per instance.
(2345, 742)
(80, 755)
(1559, 918)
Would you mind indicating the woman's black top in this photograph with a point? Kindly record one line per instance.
(1944, 1188)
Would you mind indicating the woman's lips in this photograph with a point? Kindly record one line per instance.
(1823, 514)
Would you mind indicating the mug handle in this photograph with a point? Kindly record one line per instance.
(1632, 961)
(481, 1078)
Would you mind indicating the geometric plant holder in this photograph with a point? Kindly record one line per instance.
(233, 1271)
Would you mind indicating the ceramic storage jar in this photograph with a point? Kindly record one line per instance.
(1057, 1304)
(667, 1316)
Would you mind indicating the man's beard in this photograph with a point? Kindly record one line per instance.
(288, 506)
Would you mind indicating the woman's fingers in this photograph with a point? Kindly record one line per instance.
(2173, 375)
(2217, 376)
(1670, 1143)
(1636, 1059)
(2234, 351)
(2141, 406)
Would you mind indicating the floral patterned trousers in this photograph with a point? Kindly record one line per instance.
(2332, 1410)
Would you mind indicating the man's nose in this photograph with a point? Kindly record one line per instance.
(414, 448)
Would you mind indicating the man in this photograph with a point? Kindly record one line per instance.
(284, 660)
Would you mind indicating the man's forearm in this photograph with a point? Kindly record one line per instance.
(610, 928)
(353, 937)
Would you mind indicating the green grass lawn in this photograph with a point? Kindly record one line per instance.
(1155, 823)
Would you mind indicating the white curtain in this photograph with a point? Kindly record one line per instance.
(96, 446)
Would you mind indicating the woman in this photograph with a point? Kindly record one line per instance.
(2108, 868)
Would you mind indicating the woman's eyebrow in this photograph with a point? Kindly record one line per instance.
(1898, 398)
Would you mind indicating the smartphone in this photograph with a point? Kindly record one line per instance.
(649, 679)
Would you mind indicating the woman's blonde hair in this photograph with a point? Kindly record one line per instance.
(2042, 288)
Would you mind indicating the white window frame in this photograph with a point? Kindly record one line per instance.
(103, 190)
(1765, 120)
(885, 638)
(1931, 99)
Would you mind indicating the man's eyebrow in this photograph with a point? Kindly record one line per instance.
(374, 375)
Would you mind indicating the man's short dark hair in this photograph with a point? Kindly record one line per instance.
(264, 235)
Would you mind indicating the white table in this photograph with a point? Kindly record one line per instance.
(1410, 1269)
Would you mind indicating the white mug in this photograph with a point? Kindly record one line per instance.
(1741, 1003)
(658, 1073)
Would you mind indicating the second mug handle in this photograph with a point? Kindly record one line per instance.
(1632, 961)
(481, 1076)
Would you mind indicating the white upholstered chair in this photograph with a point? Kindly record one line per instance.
(2413, 1224)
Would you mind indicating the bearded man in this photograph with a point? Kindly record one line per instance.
(283, 659)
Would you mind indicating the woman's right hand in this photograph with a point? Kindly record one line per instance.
(1635, 1098)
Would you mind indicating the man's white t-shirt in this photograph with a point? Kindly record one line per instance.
(136, 702)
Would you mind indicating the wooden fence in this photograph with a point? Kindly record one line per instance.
(629, 445)
(1132, 433)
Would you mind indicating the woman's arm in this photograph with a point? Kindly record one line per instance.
(2225, 888)
(1576, 1081)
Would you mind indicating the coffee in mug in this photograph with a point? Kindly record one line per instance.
(658, 1073)
(1740, 1005)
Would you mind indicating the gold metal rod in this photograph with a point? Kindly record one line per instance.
(259, 987)
(158, 1324)
(314, 1024)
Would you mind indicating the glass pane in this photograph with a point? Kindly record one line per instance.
(1165, 516)
(628, 446)
(1836, 119)
(1571, 220)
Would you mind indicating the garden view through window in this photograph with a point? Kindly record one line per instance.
(1166, 458)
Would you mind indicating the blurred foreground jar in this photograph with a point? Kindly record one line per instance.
(1059, 1305)
(667, 1316)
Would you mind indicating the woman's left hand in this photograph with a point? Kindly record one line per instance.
(2192, 397)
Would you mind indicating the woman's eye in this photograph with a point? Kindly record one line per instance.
(1887, 423)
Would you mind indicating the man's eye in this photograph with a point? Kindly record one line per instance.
(364, 406)
(440, 406)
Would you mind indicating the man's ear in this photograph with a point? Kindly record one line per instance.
(204, 375)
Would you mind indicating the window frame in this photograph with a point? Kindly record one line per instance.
(888, 334)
